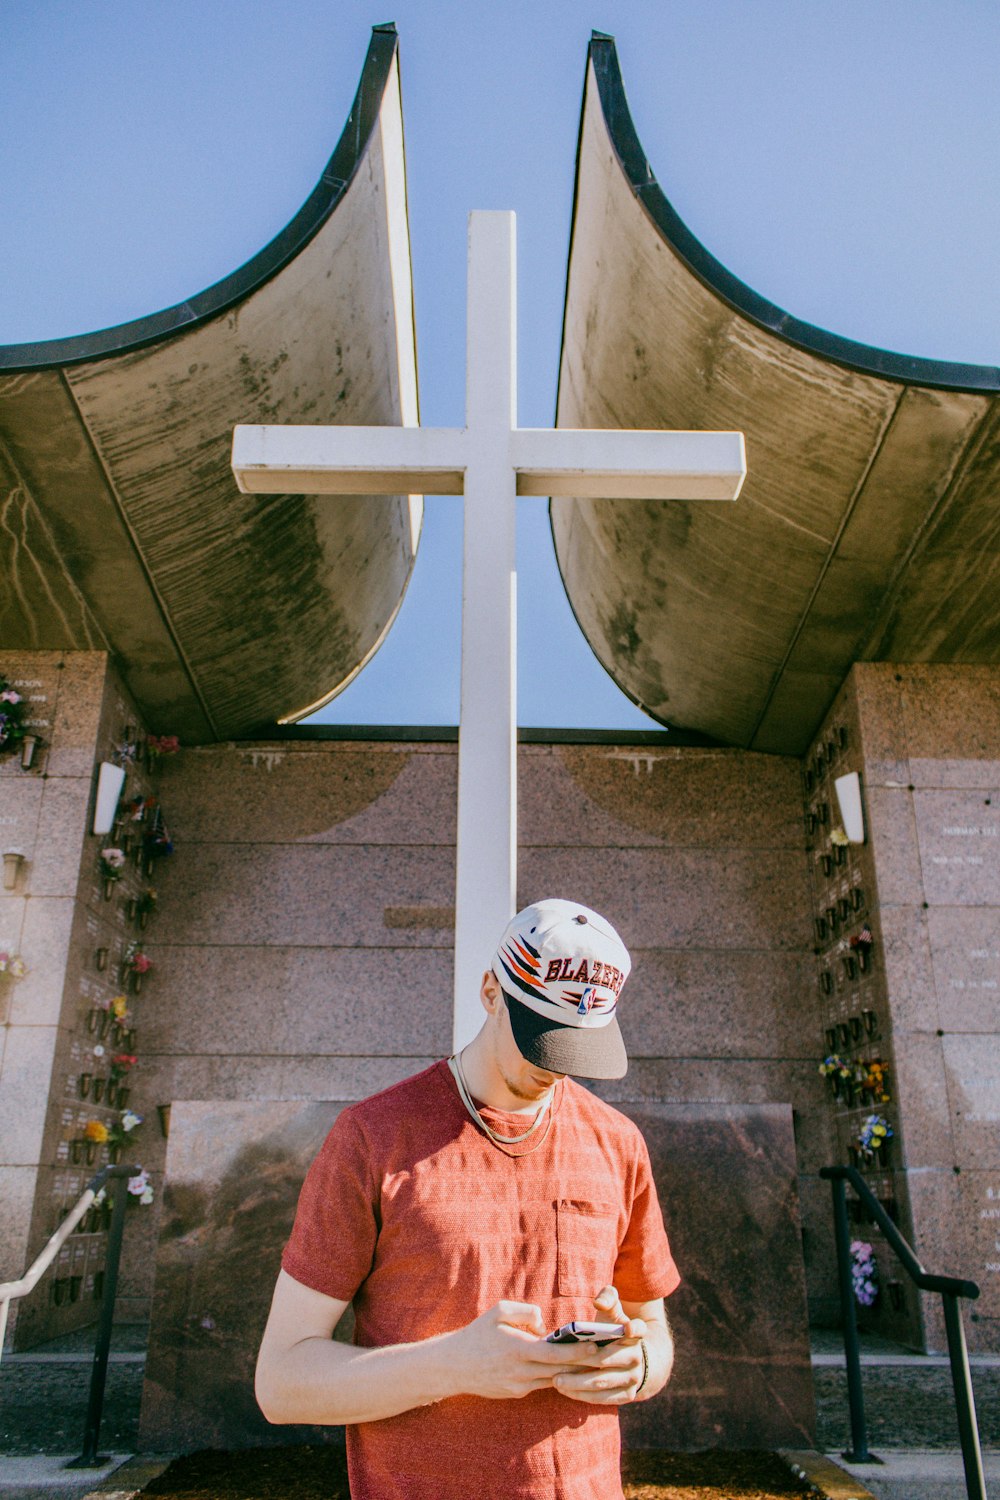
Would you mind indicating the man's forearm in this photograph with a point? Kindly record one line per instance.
(327, 1383)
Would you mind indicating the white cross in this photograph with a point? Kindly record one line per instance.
(490, 461)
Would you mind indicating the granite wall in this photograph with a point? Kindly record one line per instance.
(312, 892)
(304, 942)
(742, 1376)
(59, 917)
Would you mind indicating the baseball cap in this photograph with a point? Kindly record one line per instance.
(561, 967)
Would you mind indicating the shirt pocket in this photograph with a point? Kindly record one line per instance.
(587, 1245)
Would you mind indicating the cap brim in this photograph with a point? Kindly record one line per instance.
(583, 1051)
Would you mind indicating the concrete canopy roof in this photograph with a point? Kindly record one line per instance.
(122, 527)
(868, 528)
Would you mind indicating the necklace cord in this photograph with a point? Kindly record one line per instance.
(502, 1141)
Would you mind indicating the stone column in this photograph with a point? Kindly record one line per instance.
(926, 741)
(55, 918)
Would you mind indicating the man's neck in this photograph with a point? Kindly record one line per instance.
(486, 1082)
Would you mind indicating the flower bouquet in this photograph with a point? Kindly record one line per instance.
(145, 905)
(12, 964)
(118, 1090)
(873, 1139)
(12, 725)
(95, 1134)
(120, 1131)
(158, 745)
(136, 963)
(839, 1071)
(864, 1273)
(112, 865)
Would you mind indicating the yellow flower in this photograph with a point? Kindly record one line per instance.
(95, 1131)
(119, 1006)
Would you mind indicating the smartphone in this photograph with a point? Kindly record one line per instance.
(586, 1333)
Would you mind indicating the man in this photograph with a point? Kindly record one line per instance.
(468, 1212)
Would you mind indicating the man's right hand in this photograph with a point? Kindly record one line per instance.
(503, 1354)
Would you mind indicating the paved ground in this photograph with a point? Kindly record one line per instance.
(43, 1395)
(922, 1475)
(43, 1399)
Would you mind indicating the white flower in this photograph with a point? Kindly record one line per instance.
(115, 858)
(130, 1120)
(139, 1185)
(147, 1196)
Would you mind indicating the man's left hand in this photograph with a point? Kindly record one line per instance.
(613, 1375)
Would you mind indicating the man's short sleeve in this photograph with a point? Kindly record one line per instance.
(332, 1243)
(645, 1268)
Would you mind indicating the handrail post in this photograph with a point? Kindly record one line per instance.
(89, 1458)
(965, 1404)
(858, 1453)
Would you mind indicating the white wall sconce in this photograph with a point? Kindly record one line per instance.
(13, 859)
(852, 813)
(110, 780)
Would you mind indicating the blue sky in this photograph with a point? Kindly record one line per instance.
(838, 155)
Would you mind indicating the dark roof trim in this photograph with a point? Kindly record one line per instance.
(865, 358)
(311, 217)
(447, 734)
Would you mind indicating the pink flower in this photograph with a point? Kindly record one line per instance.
(140, 964)
(10, 696)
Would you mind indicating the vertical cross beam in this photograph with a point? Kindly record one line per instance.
(490, 461)
(486, 866)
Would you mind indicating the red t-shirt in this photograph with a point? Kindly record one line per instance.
(413, 1214)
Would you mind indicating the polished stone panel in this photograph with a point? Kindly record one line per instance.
(921, 1087)
(699, 898)
(45, 946)
(909, 974)
(275, 1001)
(951, 722)
(306, 895)
(972, 1065)
(62, 823)
(979, 1193)
(224, 1077)
(25, 1076)
(595, 795)
(727, 1184)
(959, 834)
(881, 729)
(893, 833)
(353, 793)
(17, 1191)
(755, 1004)
(965, 949)
(726, 1177)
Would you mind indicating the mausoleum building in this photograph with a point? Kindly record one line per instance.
(841, 619)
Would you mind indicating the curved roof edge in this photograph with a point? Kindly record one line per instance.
(865, 358)
(285, 245)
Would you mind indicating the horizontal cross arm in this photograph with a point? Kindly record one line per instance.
(596, 464)
(271, 460)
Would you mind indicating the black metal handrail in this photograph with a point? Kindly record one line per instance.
(950, 1289)
(89, 1458)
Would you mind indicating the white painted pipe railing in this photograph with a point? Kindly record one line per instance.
(10, 1291)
